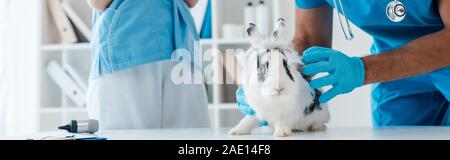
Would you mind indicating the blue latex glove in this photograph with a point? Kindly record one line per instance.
(243, 105)
(344, 73)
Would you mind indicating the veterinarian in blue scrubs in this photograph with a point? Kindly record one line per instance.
(132, 47)
(408, 64)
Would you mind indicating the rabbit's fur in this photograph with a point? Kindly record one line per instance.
(274, 88)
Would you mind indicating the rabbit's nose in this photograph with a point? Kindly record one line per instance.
(279, 90)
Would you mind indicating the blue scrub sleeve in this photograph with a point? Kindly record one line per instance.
(307, 4)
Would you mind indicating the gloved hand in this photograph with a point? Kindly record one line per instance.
(344, 73)
(243, 105)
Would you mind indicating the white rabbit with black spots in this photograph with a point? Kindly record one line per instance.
(277, 92)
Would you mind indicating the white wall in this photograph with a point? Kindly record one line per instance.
(19, 50)
(346, 110)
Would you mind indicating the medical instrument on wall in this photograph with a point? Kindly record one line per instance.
(81, 126)
(395, 11)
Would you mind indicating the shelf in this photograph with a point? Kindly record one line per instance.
(59, 109)
(87, 46)
(237, 41)
(223, 106)
(242, 41)
(206, 42)
(70, 47)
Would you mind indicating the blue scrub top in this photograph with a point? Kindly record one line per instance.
(136, 32)
(422, 18)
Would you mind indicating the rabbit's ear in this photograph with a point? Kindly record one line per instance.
(279, 29)
(254, 34)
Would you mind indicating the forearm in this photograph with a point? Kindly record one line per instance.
(303, 42)
(424, 55)
(100, 5)
(313, 28)
(191, 3)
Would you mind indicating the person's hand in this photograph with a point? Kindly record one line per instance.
(243, 105)
(344, 73)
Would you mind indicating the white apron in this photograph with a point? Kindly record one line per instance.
(145, 97)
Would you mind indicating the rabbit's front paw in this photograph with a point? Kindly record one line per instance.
(318, 128)
(282, 131)
(238, 130)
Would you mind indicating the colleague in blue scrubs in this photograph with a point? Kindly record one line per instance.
(408, 64)
(132, 48)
